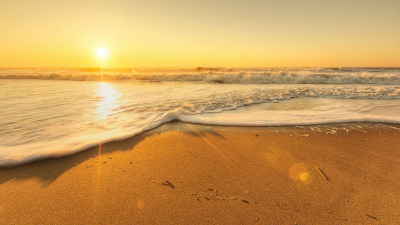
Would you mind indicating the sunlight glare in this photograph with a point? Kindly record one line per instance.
(101, 52)
(108, 100)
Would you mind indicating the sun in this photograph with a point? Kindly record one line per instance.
(102, 55)
(101, 52)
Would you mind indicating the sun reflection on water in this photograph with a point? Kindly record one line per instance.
(108, 97)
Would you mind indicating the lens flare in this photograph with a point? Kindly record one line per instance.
(298, 172)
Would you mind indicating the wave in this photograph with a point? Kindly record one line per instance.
(41, 119)
(251, 115)
(385, 76)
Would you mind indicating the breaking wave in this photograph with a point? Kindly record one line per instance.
(390, 76)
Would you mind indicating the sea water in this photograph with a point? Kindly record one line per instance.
(53, 112)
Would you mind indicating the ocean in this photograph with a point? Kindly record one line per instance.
(53, 112)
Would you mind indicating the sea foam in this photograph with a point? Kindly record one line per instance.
(49, 118)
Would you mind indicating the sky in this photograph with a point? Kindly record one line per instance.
(191, 33)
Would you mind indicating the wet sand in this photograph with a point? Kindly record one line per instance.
(197, 174)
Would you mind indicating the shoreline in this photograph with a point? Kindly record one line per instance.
(323, 127)
(206, 174)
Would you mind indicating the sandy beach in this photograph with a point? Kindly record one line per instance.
(197, 174)
(199, 112)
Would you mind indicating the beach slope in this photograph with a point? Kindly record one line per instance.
(197, 174)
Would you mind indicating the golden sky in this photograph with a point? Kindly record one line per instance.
(189, 33)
